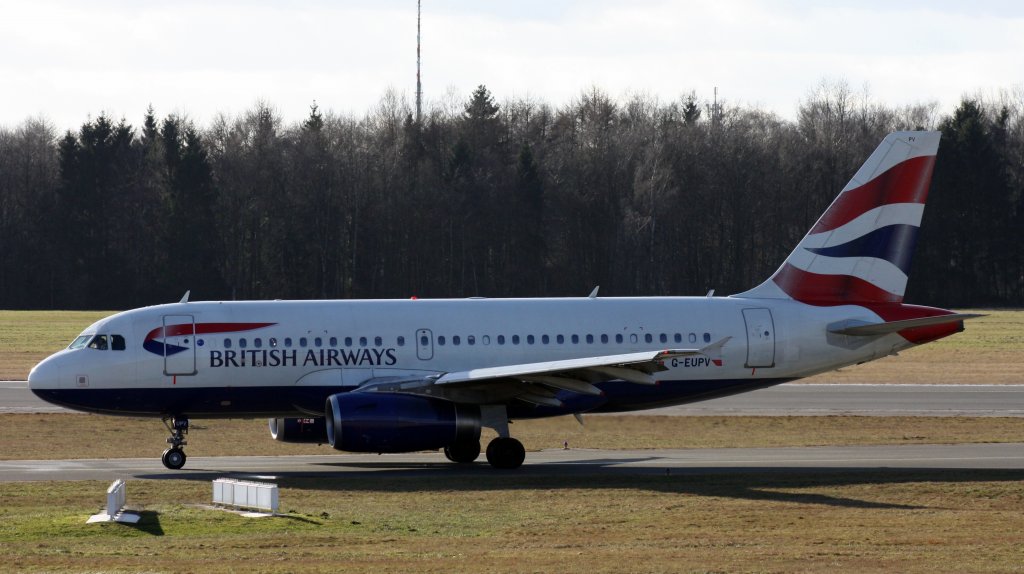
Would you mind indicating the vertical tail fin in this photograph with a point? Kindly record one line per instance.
(859, 251)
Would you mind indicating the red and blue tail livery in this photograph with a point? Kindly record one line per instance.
(859, 251)
(404, 375)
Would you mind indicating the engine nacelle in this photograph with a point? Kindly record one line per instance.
(307, 430)
(382, 422)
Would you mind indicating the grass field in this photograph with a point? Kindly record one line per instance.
(990, 351)
(896, 521)
(27, 337)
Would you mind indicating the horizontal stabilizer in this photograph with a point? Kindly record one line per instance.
(878, 329)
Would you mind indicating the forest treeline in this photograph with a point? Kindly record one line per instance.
(521, 198)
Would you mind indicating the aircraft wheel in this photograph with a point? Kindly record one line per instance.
(506, 453)
(173, 458)
(464, 452)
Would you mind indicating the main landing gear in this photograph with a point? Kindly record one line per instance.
(174, 457)
(502, 452)
(463, 452)
(506, 452)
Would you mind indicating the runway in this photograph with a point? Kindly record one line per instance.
(1007, 456)
(783, 400)
(793, 399)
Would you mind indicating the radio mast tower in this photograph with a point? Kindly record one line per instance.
(419, 86)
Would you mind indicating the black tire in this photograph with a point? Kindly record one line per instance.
(506, 453)
(173, 458)
(463, 452)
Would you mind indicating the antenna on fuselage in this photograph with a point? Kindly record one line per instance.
(185, 298)
(593, 294)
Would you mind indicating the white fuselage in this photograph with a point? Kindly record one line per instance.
(322, 347)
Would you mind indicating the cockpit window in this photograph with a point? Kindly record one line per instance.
(117, 342)
(79, 341)
(99, 342)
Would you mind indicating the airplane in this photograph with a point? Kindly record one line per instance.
(427, 374)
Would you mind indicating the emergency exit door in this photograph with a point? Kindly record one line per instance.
(760, 338)
(179, 345)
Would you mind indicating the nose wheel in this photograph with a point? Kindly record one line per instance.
(174, 457)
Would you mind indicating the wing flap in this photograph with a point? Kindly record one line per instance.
(649, 359)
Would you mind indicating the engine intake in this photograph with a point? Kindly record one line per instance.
(307, 430)
(380, 422)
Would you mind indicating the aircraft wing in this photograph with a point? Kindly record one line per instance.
(538, 382)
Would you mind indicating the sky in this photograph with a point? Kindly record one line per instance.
(68, 60)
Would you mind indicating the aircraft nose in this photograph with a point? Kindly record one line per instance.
(45, 375)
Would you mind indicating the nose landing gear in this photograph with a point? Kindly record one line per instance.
(174, 457)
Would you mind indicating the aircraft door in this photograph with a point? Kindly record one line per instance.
(424, 344)
(179, 345)
(760, 338)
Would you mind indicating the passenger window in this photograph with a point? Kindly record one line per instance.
(678, 338)
(501, 339)
(302, 342)
(470, 340)
(348, 341)
(440, 340)
(378, 342)
(633, 338)
(99, 342)
(334, 341)
(575, 339)
(560, 339)
(515, 339)
(456, 340)
(257, 342)
(648, 338)
(693, 337)
(544, 339)
(424, 341)
(318, 342)
(707, 337)
(590, 339)
(287, 341)
(529, 339)
(401, 341)
(486, 339)
(618, 338)
(663, 338)
(362, 341)
(227, 343)
(272, 342)
(242, 343)
(604, 338)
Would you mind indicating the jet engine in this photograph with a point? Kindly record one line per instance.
(383, 422)
(307, 430)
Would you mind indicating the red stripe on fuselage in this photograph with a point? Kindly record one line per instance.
(203, 329)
